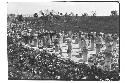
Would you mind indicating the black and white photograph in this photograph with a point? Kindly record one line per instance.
(63, 40)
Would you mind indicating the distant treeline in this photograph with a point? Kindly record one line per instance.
(106, 24)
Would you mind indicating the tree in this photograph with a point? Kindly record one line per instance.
(61, 14)
(35, 15)
(93, 13)
(114, 13)
(42, 13)
(85, 14)
(11, 17)
(72, 14)
(20, 17)
(76, 15)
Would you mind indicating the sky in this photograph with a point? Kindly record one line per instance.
(101, 8)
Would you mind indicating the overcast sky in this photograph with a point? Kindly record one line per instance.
(101, 8)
